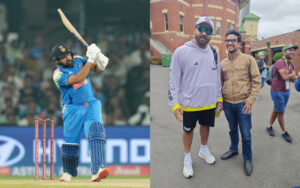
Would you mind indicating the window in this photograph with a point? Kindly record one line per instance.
(227, 26)
(232, 26)
(214, 25)
(181, 23)
(218, 27)
(166, 21)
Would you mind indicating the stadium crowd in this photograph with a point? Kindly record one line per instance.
(27, 90)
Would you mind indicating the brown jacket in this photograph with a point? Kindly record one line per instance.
(240, 78)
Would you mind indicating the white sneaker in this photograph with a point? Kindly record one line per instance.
(205, 154)
(66, 177)
(101, 174)
(188, 171)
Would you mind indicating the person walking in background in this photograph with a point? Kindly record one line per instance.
(283, 74)
(195, 90)
(241, 83)
(81, 111)
(262, 66)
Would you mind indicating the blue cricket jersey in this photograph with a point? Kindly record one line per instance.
(76, 93)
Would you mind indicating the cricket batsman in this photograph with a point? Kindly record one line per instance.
(81, 111)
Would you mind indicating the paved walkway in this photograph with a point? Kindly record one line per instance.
(276, 162)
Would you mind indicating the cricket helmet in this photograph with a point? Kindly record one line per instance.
(60, 51)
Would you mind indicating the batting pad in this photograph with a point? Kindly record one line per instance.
(70, 158)
(97, 141)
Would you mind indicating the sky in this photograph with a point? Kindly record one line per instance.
(276, 16)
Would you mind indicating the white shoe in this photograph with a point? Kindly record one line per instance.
(188, 171)
(207, 156)
(66, 177)
(101, 174)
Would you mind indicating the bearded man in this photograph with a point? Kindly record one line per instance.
(283, 74)
(195, 90)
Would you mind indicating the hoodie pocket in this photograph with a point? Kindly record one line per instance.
(204, 95)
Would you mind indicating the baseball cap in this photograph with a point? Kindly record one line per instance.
(205, 19)
(289, 46)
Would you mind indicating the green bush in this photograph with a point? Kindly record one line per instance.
(277, 56)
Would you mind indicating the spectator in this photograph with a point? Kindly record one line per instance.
(137, 84)
(283, 74)
(13, 93)
(3, 56)
(14, 51)
(262, 67)
(142, 116)
(13, 77)
(239, 95)
(37, 51)
(28, 119)
(7, 116)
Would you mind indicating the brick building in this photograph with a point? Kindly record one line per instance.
(275, 44)
(172, 22)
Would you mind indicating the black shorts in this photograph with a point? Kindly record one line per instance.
(204, 117)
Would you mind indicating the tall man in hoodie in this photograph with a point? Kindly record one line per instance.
(195, 90)
(241, 83)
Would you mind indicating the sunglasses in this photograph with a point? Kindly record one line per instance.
(230, 40)
(208, 31)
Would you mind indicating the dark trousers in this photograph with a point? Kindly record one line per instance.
(238, 119)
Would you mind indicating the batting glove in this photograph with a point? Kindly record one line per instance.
(101, 61)
(92, 53)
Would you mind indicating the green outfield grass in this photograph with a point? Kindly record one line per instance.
(82, 181)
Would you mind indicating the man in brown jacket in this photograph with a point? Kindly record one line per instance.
(241, 83)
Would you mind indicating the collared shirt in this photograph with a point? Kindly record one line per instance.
(278, 84)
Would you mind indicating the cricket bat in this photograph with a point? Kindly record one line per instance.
(71, 28)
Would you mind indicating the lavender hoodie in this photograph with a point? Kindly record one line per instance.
(194, 78)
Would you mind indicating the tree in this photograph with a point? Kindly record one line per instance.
(277, 56)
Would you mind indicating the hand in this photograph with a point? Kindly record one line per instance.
(101, 61)
(247, 108)
(294, 77)
(298, 75)
(221, 105)
(92, 51)
(178, 113)
(94, 68)
(91, 60)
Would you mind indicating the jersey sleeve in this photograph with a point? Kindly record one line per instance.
(60, 78)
